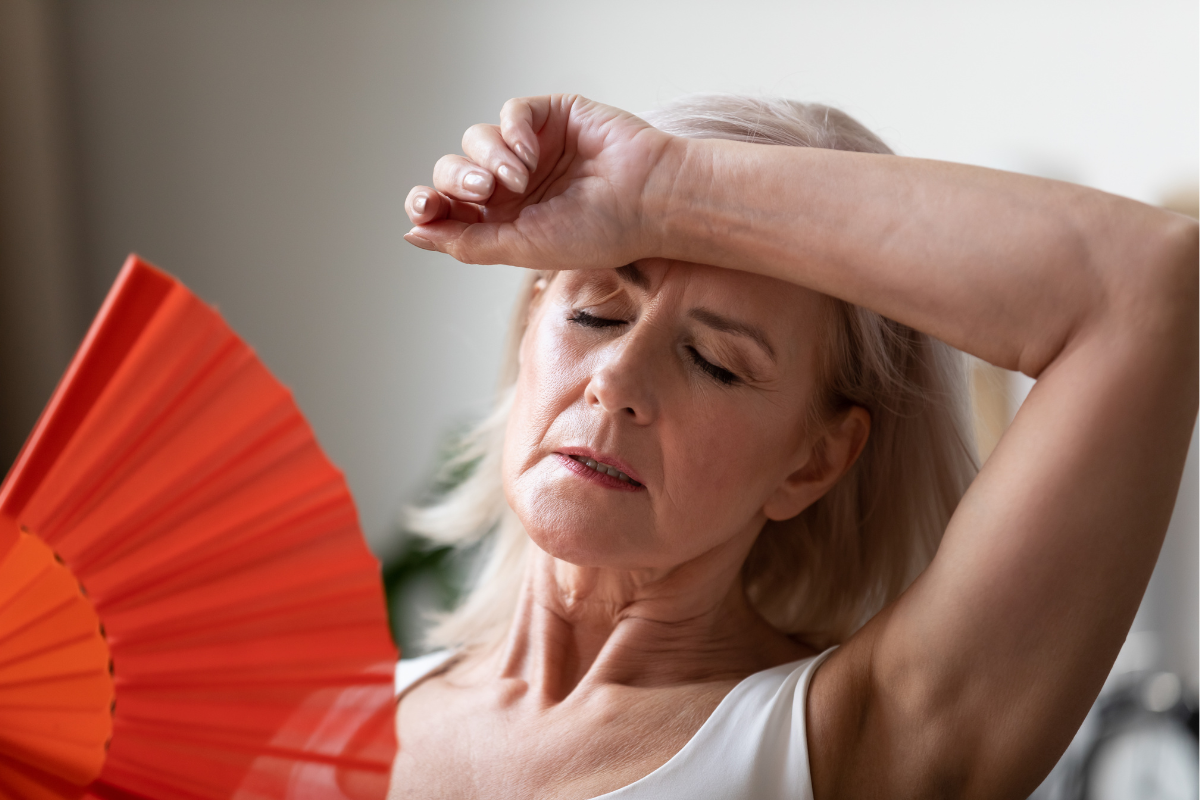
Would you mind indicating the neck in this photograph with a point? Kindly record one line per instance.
(589, 626)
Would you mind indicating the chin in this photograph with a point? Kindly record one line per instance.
(577, 523)
(571, 538)
(570, 549)
(578, 534)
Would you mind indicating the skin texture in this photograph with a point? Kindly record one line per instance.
(632, 624)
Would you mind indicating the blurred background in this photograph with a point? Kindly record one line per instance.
(261, 150)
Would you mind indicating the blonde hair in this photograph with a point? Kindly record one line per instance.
(822, 574)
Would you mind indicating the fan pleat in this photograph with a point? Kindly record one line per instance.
(51, 658)
(222, 552)
(223, 624)
(43, 739)
(135, 298)
(189, 551)
(210, 541)
(54, 626)
(220, 733)
(20, 780)
(314, 743)
(61, 691)
(142, 488)
(55, 688)
(148, 381)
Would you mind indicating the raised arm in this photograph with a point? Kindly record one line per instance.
(974, 680)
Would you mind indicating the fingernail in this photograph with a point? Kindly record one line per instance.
(478, 182)
(419, 241)
(526, 155)
(512, 179)
(419, 203)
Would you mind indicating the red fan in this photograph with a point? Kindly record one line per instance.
(187, 605)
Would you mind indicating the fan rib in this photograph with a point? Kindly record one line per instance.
(125, 313)
(239, 537)
(171, 497)
(88, 496)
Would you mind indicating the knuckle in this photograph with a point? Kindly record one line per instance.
(516, 110)
(473, 134)
(446, 167)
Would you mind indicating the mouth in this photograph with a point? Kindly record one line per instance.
(584, 465)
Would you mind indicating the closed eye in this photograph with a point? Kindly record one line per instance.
(712, 370)
(591, 321)
(717, 373)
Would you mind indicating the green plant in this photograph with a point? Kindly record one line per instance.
(422, 577)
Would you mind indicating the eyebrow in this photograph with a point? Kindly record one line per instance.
(717, 322)
(631, 274)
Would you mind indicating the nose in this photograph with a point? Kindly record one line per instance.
(623, 383)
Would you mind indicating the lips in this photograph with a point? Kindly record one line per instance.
(590, 463)
(607, 469)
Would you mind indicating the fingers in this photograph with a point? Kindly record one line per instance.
(462, 179)
(506, 154)
(425, 205)
(484, 145)
(469, 211)
(520, 120)
(484, 243)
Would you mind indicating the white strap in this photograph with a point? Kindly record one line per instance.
(411, 670)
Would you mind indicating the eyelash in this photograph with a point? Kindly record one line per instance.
(719, 374)
(591, 321)
(716, 373)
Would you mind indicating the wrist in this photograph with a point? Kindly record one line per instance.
(672, 200)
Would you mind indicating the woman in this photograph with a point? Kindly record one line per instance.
(727, 451)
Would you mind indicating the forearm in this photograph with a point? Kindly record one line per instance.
(1004, 266)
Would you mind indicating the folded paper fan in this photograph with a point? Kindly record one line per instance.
(187, 606)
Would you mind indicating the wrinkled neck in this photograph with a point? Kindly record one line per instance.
(585, 627)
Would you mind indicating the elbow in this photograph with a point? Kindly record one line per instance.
(1158, 296)
(1188, 257)
(1175, 270)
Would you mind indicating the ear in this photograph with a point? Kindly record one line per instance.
(538, 288)
(827, 459)
(536, 291)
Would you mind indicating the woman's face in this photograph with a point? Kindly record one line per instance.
(691, 381)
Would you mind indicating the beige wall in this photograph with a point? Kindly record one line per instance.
(262, 150)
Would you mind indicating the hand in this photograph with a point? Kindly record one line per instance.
(561, 183)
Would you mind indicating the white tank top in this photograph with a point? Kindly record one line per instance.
(753, 747)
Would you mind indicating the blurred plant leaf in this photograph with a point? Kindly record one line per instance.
(425, 577)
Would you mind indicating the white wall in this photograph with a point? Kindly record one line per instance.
(262, 151)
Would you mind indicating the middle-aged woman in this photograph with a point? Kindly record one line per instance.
(730, 441)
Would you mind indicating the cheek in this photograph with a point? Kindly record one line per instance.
(547, 383)
(724, 459)
(552, 367)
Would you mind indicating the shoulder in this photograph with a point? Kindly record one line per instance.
(755, 744)
(779, 697)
